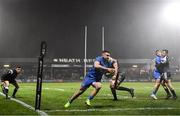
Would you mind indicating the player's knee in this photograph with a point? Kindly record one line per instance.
(111, 84)
(6, 86)
(82, 89)
(98, 86)
(158, 82)
(122, 77)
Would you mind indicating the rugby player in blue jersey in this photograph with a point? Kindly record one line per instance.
(93, 78)
(162, 75)
(157, 73)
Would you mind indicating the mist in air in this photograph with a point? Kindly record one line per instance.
(133, 28)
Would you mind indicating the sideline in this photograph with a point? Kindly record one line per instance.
(27, 106)
(116, 109)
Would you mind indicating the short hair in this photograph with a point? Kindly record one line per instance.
(18, 66)
(105, 51)
(157, 50)
(165, 50)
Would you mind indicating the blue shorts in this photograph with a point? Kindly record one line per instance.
(87, 82)
(156, 75)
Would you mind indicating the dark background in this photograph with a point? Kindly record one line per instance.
(133, 28)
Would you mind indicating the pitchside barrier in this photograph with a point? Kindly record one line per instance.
(70, 70)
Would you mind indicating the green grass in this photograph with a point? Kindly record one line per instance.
(54, 98)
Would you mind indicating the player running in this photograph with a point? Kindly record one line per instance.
(166, 76)
(101, 66)
(10, 78)
(116, 81)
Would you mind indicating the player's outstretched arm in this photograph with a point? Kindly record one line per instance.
(97, 65)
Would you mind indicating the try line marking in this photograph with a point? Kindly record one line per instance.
(27, 106)
(58, 89)
(115, 109)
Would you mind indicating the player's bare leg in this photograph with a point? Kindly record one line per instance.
(156, 87)
(97, 86)
(6, 88)
(166, 89)
(15, 89)
(2, 86)
(113, 89)
(171, 89)
(165, 86)
(130, 90)
(76, 95)
(118, 87)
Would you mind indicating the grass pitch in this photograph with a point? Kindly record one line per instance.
(55, 95)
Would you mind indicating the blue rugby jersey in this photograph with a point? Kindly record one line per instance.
(95, 73)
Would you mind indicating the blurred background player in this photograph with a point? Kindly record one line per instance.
(93, 77)
(166, 77)
(10, 78)
(157, 73)
(117, 79)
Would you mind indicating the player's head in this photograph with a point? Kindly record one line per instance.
(18, 69)
(158, 52)
(106, 54)
(165, 52)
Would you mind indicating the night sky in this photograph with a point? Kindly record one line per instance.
(133, 28)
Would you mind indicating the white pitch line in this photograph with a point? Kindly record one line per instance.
(116, 109)
(27, 106)
(54, 89)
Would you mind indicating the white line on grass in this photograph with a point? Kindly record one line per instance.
(125, 97)
(27, 106)
(54, 89)
(116, 109)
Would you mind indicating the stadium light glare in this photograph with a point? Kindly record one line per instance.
(55, 60)
(134, 66)
(171, 13)
(6, 66)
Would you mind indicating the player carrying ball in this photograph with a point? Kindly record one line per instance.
(93, 78)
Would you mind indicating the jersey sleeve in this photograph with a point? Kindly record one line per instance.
(159, 65)
(98, 59)
(8, 73)
(158, 60)
(152, 64)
